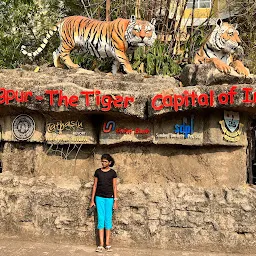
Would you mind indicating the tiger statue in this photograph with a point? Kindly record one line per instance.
(220, 47)
(102, 39)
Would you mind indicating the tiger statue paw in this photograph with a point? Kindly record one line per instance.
(221, 66)
(240, 68)
(220, 47)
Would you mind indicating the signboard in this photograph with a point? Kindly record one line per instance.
(23, 127)
(179, 129)
(69, 131)
(231, 127)
(121, 130)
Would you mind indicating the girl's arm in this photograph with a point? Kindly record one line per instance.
(94, 191)
(115, 193)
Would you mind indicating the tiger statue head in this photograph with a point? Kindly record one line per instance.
(140, 32)
(224, 38)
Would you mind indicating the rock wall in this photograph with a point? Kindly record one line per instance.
(201, 166)
(164, 216)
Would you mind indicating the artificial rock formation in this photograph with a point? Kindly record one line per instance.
(176, 189)
(207, 74)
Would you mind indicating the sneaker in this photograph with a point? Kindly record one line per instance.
(108, 248)
(99, 249)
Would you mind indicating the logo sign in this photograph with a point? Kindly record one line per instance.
(231, 120)
(231, 127)
(109, 126)
(23, 127)
(185, 128)
(60, 126)
(67, 131)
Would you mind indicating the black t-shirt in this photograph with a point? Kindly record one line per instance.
(105, 183)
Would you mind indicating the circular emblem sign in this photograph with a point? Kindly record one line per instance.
(23, 127)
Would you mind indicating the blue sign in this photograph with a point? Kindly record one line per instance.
(185, 128)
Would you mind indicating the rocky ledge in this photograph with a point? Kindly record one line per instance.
(137, 95)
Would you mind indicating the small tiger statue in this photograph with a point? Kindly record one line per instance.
(220, 48)
(102, 39)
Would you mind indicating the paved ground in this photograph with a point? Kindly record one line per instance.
(10, 247)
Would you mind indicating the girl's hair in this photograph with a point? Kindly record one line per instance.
(109, 158)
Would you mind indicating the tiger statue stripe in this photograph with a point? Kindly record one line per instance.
(102, 39)
(220, 47)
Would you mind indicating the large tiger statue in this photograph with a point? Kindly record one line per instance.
(102, 39)
(220, 47)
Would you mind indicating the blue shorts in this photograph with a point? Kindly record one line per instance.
(104, 210)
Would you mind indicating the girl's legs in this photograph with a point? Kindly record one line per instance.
(108, 218)
(108, 232)
(104, 211)
(101, 235)
(100, 205)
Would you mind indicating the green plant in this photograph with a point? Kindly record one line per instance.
(90, 62)
(155, 60)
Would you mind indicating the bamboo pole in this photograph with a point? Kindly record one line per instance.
(166, 19)
(191, 41)
(108, 3)
(137, 9)
(178, 29)
(124, 9)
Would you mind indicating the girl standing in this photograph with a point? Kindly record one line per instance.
(104, 193)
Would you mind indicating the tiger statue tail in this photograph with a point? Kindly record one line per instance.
(49, 34)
